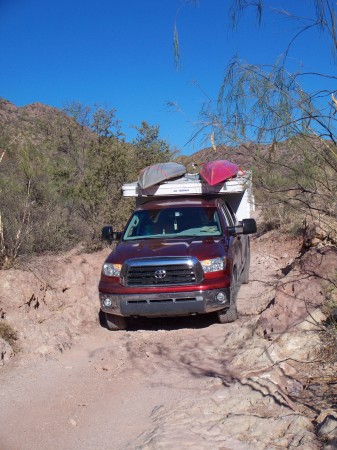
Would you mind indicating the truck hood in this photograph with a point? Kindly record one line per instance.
(201, 248)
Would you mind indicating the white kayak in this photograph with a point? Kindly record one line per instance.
(160, 172)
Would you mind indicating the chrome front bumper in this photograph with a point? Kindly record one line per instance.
(165, 304)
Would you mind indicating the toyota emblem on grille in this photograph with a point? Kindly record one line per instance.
(160, 274)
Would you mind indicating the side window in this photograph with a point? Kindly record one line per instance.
(131, 230)
(228, 217)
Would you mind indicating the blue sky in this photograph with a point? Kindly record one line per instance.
(120, 54)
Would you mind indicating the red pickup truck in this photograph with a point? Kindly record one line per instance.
(179, 255)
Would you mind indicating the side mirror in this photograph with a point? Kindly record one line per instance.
(109, 235)
(247, 226)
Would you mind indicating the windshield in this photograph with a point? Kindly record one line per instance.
(173, 222)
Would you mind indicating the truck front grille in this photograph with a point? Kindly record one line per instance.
(161, 272)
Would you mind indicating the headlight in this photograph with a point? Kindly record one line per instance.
(213, 265)
(112, 270)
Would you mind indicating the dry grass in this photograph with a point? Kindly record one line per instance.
(331, 323)
(8, 334)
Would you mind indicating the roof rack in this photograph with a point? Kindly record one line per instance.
(190, 184)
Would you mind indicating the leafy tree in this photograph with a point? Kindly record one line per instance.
(98, 119)
(149, 147)
(93, 184)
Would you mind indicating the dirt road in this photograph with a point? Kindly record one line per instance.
(164, 384)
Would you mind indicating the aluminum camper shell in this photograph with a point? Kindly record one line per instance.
(236, 191)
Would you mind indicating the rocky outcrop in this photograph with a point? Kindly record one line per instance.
(319, 233)
(239, 417)
(300, 292)
(52, 301)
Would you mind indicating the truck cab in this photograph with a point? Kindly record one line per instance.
(178, 255)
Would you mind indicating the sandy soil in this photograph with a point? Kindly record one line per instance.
(165, 383)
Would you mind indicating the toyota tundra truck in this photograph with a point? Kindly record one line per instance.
(184, 251)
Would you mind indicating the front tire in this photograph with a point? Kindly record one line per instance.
(115, 323)
(228, 315)
(231, 314)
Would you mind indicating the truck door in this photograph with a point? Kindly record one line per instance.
(236, 244)
(243, 238)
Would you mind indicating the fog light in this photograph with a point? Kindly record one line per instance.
(221, 298)
(107, 302)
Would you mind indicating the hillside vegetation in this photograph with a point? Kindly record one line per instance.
(62, 172)
(61, 175)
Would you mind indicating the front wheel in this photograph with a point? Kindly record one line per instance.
(115, 323)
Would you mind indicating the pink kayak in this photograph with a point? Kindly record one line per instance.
(218, 171)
